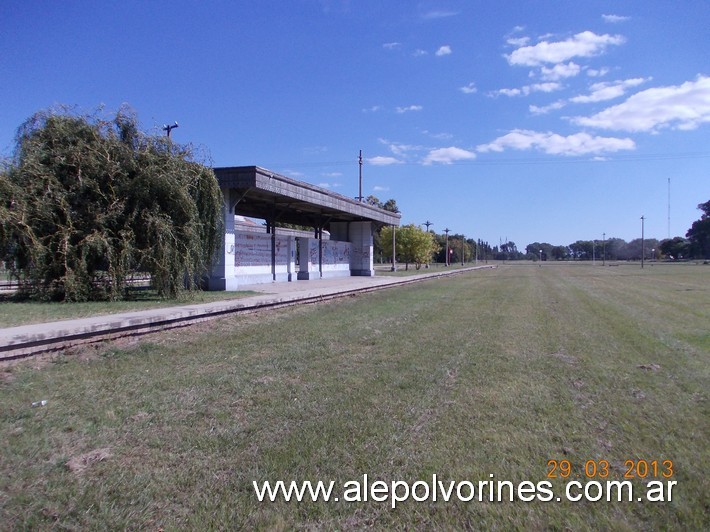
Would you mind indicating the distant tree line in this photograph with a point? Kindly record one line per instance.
(695, 245)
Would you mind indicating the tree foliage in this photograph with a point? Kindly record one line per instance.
(699, 233)
(87, 201)
(412, 245)
(389, 205)
(675, 248)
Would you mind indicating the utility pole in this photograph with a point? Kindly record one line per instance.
(446, 259)
(359, 198)
(643, 242)
(669, 208)
(394, 248)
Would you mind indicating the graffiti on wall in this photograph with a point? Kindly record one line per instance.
(254, 249)
(336, 254)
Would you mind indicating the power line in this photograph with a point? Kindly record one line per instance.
(514, 161)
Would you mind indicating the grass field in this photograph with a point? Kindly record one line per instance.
(492, 372)
(15, 312)
(435, 267)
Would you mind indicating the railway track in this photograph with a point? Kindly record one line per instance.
(29, 340)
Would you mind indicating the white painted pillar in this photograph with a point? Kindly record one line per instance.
(361, 257)
(223, 273)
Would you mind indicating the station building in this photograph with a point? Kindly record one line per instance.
(341, 242)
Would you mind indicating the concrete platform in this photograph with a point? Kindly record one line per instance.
(25, 340)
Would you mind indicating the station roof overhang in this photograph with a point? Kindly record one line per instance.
(260, 193)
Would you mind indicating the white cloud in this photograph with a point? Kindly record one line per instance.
(329, 185)
(432, 15)
(528, 89)
(554, 144)
(608, 90)
(443, 50)
(597, 73)
(469, 89)
(534, 109)
(544, 87)
(372, 109)
(315, 149)
(400, 150)
(560, 71)
(378, 188)
(684, 106)
(439, 136)
(419, 52)
(448, 156)
(614, 19)
(518, 41)
(507, 92)
(409, 108)
(585, 44)
(391, 45)
(381, 160)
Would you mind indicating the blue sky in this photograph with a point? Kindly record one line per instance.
(527, 121)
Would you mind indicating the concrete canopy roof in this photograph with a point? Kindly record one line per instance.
(261, 193)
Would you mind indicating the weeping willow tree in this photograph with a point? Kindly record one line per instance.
(85, 202)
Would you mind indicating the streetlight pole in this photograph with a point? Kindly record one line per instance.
(463, 250)
(394, 248)
(446, 259)
(359, 198)
(643, 242)
(428, 223)
(168, 128)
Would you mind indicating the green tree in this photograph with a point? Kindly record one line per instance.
(675, 248)
(509, 251)
(87, 201)
(391, 206)
(458, 247)
(632, 250)
(413, 245)
(533, 251)
(560, 252)
(699, 234)
(614, 248)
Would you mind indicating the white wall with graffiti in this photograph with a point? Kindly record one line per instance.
(253, 257)
(335, 260)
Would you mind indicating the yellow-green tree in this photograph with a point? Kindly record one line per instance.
(413, 245)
